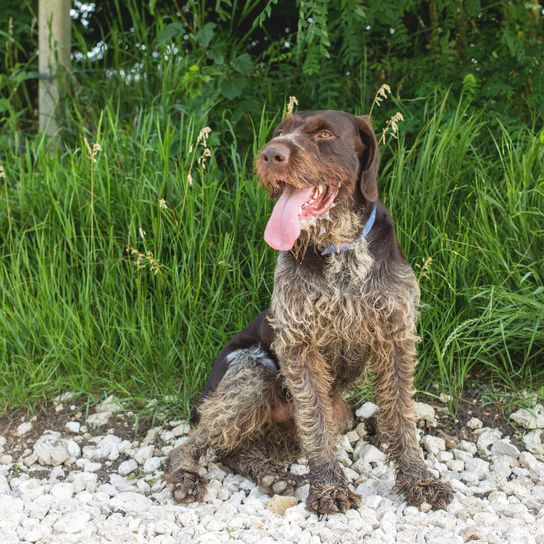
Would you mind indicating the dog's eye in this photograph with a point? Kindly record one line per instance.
(325, 135)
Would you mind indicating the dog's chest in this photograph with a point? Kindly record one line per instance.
(327, 308)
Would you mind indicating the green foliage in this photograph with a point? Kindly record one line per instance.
(242, 54)
(128, 269)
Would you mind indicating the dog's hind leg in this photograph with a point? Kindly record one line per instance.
(266, 460)
(238, 410)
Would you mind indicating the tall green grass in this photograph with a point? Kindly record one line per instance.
(81, 311)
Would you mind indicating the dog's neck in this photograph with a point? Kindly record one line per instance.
(342, 230)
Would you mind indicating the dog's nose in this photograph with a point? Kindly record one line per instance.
(275, 154)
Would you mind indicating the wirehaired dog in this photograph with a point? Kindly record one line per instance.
(344, 299)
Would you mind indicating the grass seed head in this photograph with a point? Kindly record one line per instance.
(392, 126)
(293, 102)
(92, 151)
(144, 260)
(203, 136)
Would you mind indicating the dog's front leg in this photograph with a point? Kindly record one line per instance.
(393, 366)
(309, 384)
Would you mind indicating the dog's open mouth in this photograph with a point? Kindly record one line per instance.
(293, 207)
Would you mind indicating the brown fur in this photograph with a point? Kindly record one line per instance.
(278, 391)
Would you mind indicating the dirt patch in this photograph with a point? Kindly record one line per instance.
(53, 416)
(131, 426)
(473, 404)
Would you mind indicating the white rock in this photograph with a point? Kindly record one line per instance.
(528, 460)
(343, 457)
(29, 488)
(51, 449)
(109, 405)
(99, 419)
(108, 448)
(368, 409)
(533, 442)
(39, 507)
(487, 438)
(56, 473)
(12, 511)
(23, 428)
(4, 485)
(120, 483)
(299, 469)
(73, 449)
(502, 464)
(62, 491)
(369, 453)
(167, 436)
(529, 419)
(455, 465)
(475, 469)
(73, 426)
(433, 444)
(445, 456)
(152, 464)
(6, 459)
(151, 436)
(469, 447)
(40, 533)
(504, 447)
(426, 414)
(352, 437)
(88, 466)
(181, 429)
(345, 444)
(126, 467)
(72, 522)
(143, 454)
(278, 504)
(64, 397)
(83, 481)
(474, 423)
(130, 502)
(30, 459)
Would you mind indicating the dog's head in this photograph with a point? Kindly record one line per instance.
(319, 163)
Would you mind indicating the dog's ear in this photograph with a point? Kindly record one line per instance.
(368, 177)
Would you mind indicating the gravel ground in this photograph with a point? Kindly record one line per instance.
(70, 479)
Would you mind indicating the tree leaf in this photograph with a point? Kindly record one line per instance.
(242, 64)
(205, 35)
(170, 31)
(232, 87)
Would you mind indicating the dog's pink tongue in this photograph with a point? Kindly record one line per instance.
(283, 227)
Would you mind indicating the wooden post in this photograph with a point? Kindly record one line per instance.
(54, 53)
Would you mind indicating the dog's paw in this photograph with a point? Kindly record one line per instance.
(280, 483)
(430, 490)
(330, 499)
(187, 486)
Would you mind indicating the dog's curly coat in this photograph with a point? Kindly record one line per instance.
(275, 391)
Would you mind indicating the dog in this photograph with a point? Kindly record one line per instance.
(345, 299)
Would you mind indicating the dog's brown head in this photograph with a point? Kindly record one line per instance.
(318, 162)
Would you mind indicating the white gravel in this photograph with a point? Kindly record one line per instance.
(85, 484)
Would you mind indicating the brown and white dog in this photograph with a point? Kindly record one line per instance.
(344, 299)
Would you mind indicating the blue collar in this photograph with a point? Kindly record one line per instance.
(367, 228)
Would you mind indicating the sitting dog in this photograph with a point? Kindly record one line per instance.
(344, 299)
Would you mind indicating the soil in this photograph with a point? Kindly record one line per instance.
(54, 416)
(127, 425)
